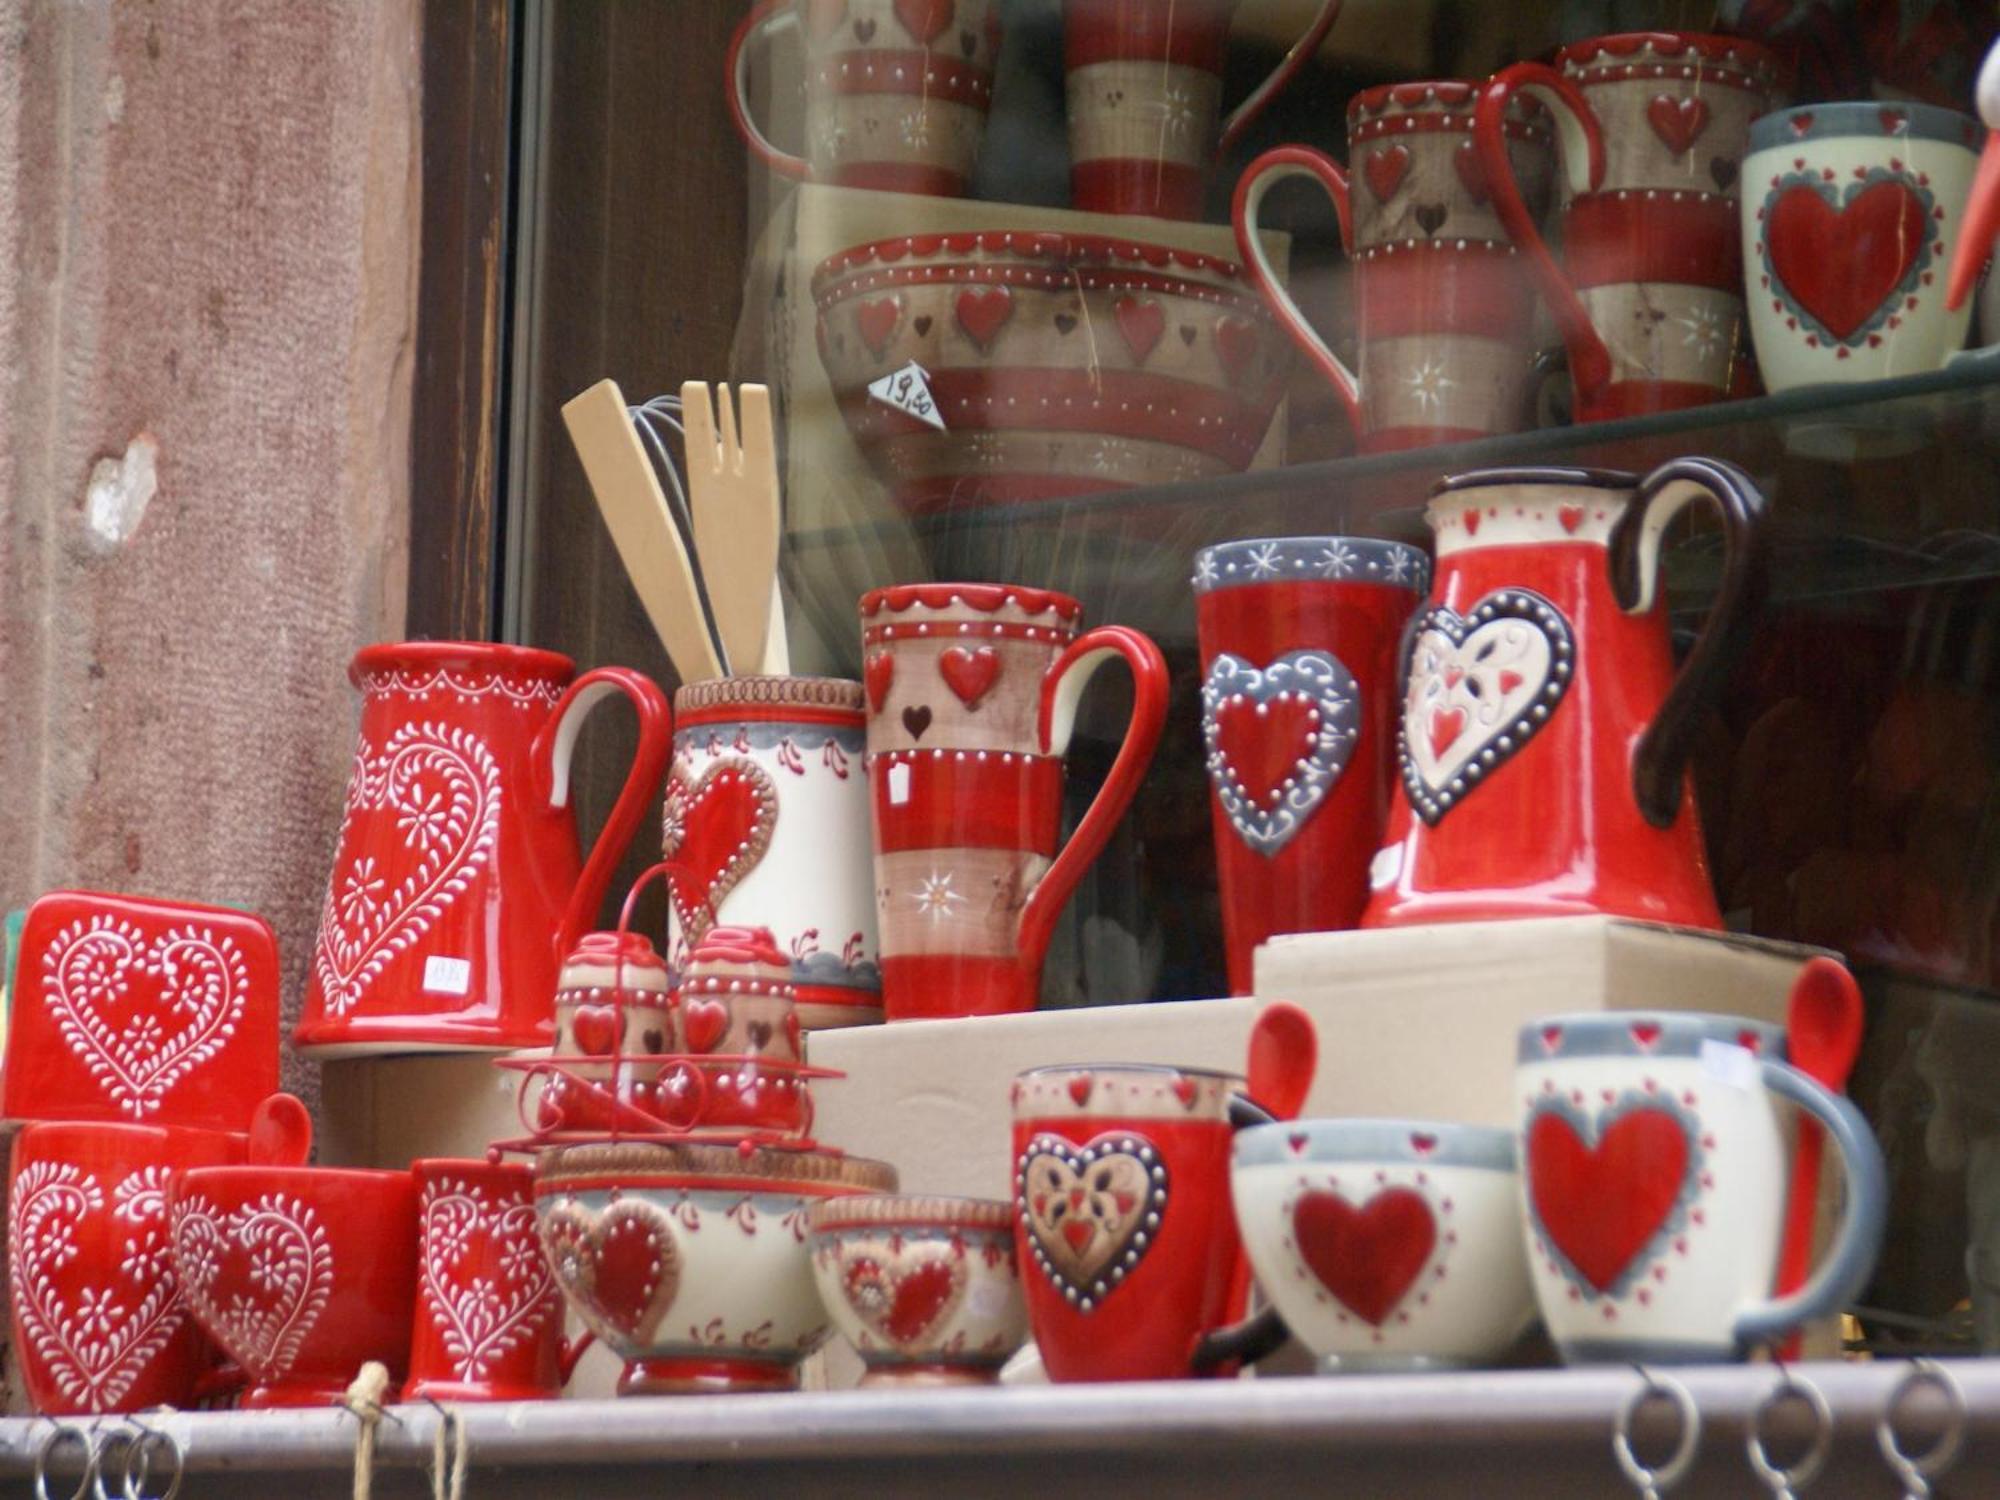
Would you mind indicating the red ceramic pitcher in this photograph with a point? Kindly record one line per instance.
(458, 884)
(1545, 732)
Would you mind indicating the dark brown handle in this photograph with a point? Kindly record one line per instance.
(1262, 1333)
(1660, 759)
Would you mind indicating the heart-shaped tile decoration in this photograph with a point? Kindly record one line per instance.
(430, 798)
(1367, 1256)
(924, 20)
(880, 671)
(876, 322)
(1841, 260)
(1142, 322)
(1476, 689)
(969, 673)
(981, 313)
(1606, 1197)
(142, 1013)
(1278, 739)
(717, 828)
(1677, 121)
(481, 1276)
(93, 1341)
(619, 1266)
(1091, 1212)
(903, 1298)
(258, 1276)
(1385, 170)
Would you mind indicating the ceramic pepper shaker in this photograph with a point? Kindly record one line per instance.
(739, 1023)
(613, 1009)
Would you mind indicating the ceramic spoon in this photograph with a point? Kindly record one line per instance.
(1823, 1024)
(1982, 210)
(281, 1132)
(1284, 1054)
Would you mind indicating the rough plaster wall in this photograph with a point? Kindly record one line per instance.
(208, 214)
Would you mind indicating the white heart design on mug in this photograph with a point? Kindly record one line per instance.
(442, 787)
(101, 967)
(482, 1319)
(290, 1276)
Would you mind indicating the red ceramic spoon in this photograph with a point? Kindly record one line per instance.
(281, 1132)
(1823, 1024)
(1284, 1053)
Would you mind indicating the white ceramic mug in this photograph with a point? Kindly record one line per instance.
(1386, 1244)
(1851, 215)
(1655, 1163)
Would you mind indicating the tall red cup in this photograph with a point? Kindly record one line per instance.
(1299, 641)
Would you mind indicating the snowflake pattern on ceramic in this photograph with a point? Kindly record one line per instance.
(95, 1349)
(481, 1318)
(442, 788)
(101, 966)
(1278, 739)
(289, 1281)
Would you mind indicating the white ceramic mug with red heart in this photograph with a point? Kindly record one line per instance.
(1386, 1244)
(1655, 1172)
(1851, 216)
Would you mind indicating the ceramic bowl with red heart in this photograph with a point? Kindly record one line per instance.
(690, 1261)
(1046, 364)
(926, 1289)
(1387, 1244)
(300, 1274)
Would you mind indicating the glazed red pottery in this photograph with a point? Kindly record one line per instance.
(489, 1316)
(456, 887)
(301, 1274)
(1123, 1223)
(142, 1012)
(99, 1323)
(1443, 307)
(1299, 645)
(972, 693)
(1545, 732)
(1652, 129)
(1144, 88)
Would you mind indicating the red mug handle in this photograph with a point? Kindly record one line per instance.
(1261, 1333)
(569, 1351)
(736, 87)
(1580, 139)
(1281, 77)
(1062, 687)
(555, 744)
(1266, 172)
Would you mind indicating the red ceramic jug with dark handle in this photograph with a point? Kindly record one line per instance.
(1545, 731)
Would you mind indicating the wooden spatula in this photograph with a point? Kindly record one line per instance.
(733, 486)
(635, 512)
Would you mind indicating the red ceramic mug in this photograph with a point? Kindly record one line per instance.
(972, 695)
(1123, 1221)
(301, 1274)
(1652, 128)
(457, 885)
(99, 1322)
(489, 1315)
(1144, 91)
(1299, 641)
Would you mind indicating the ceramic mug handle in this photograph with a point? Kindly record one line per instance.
(1851, 1259)
(1279, 79)
(1262, 1333)
(555, 745)
(1659, 759)
(1582, 152)
(772, 14)
(1062, 687)
(1266, 172)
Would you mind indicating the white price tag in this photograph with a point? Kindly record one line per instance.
(447, 976)
(909, 391)
(1385, 866)
(899, 783)
(1733, 1065)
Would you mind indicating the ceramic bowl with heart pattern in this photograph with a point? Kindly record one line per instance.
(926, 1289)
(1387, 1244)
(690, 1261)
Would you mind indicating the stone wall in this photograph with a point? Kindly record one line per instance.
(208, 267)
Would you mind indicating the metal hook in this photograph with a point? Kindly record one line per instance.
(141, 1452)
(1785, 1483)
(60, 1432)
(1653, 1483)
(1915, 1471)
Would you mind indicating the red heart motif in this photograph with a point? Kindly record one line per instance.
(980, 314)
(924, 20)
(823, 17)
(876, 322)
(1678, 122)
(1551, 1038)
(969, 674)
(1571, 517)
(1446, 725)
(1184, 1090)
(717, 830)
(1840, 265)
(1749, 1041)
(1079, 1089)
(1472, 523)
(703, 1023)
(1645, 1033)
(1298, 1140)
(1141, 323)
(880, 671)
(1385, 171)
(1367, 1257)
(594, 1028)
(1802, 122)
(1423, 1144)
(622, 1264)
(1602, 1206)
(1892, 120)
(1235, 343)
(921, 1295)
(1471, 172)
(1263, 743)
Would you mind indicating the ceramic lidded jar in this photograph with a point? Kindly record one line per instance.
(740, 1024)
(613, 1003)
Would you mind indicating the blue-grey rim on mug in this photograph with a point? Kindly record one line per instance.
(1311, 559)
(1664, 1033)
(1881, 120)
(1416, 1143)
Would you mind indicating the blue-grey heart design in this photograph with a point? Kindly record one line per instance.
(1266, 810)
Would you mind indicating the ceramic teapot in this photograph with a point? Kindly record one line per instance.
(1545, 732)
